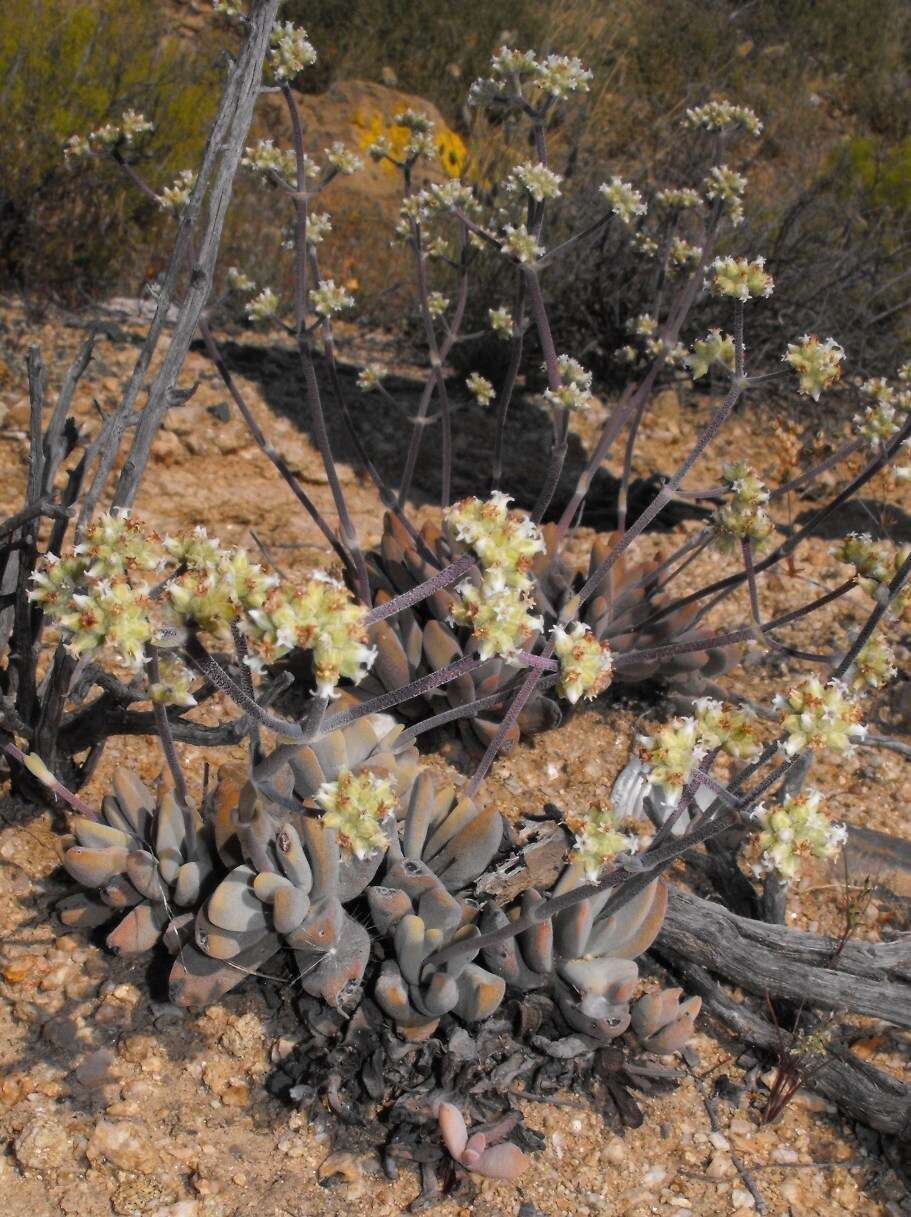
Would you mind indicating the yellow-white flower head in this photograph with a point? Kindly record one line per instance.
(818, 716)
(356, 805)
(715, 347)
(817, 364)
(741, 278)
(597, 839)
(624, 200)
(671, 756)
(795, 830)
(586, 665)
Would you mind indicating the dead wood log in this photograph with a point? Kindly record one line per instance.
(870, 978)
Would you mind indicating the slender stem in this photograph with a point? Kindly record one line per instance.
(417, 688)
(166, 738)
(509, 384)
(305, 351)
(415, 595)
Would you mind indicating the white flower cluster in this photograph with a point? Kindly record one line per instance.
(517, 74)
(500, 321)
(499, 610)
(356, 805)
(343, 160)
(743, 517)
(715, 347)
(319, 225)
(818, 716)
(873, 668)
(679, 196)
(717, 115)
(128, 131)
(176, 196)
(726, 186)
(671, 756)
(290, 50)
(575, 390)
(741, 278)
(480, 388)
(683, 253)
(795, 830)
(371, 377)
(877, 563)
(437, 304)
(598, 839)
(238, 281)
(263, 307)
(817, 364)
(623, 199)
(327, 300)
(536, 180)
(520, 244)
(264, 157)
(586, 665)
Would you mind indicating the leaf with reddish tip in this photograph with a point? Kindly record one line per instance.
(95, 867)
(198, 980)
(505, 1161)
(452, 1129)
(139, 930)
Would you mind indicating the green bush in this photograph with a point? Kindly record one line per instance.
(67, 68)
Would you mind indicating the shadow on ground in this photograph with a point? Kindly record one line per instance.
(384, 429)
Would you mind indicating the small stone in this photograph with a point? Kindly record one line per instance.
(615, 1152)
(785, 1155)
(123, 1145)
(653, 1177)
(742, 1198)
(719, 1140)
(720, 1167)
(95, 1070)
(741, 1128)
(43, 1145)
(790, 1191)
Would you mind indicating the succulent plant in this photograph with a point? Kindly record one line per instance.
(289, 875)
(589, 959)
(484, 1152)
(147, 858)
(446, 843)
(664, 1023)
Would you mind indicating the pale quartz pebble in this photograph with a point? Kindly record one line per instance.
(654, 1176)
(123, 1145)
(742, 1198)
(614, 1152)
(809, 1100)
(576, 1127)
(741, 1128)
(719, 1140)
(292, 1147)
(790, 1191)
(43, 1145)
(183, 1208)
(785, 1155)
(557, 1142)
(95, 1070)
(720, 1167)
